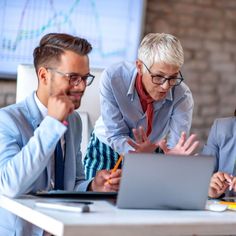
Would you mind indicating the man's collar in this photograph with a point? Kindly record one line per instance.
(33, 113)
(43, 110)
(132, 84)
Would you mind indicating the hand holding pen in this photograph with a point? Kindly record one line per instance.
(114, 176)
(106, 181)
(219, 183)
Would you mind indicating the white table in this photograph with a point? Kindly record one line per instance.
(106, 219)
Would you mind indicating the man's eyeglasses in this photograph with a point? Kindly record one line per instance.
(159, 79)
(74, 78)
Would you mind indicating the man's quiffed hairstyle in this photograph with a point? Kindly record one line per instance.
(53, 45)
(161, 48)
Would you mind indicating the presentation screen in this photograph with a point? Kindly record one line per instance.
(113, 27)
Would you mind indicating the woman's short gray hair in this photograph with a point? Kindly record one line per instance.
(161, 48)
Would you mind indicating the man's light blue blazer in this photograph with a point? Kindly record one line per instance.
(27, 143)
(221, 143)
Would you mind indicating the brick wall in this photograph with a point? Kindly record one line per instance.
(207, 31)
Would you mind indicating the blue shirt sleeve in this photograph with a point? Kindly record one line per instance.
(181, 117)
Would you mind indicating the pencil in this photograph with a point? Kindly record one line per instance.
(227, 203)
(115, 167)
(117, 164)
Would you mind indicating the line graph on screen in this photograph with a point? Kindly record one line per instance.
(113, 27)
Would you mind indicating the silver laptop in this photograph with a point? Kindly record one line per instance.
(156, 181)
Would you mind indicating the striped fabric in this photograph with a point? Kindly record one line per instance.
(99, 156)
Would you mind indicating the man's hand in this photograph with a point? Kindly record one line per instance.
(183, 147)
(60, 106)
(141, 143)
(220, 181)
(106, 181)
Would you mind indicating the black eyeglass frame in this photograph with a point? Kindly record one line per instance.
(88, 79)
(177, 80)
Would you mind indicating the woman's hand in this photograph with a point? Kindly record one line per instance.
(183, 147)
(141, 143)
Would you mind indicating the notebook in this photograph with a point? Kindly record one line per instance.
(157, 181)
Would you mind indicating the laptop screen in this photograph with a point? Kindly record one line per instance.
(156, 181)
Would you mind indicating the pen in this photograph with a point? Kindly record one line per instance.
(64, 206)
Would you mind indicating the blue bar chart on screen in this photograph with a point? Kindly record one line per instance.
(114, 28)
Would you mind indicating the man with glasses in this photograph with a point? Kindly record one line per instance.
(144, 108)
(41, 136)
